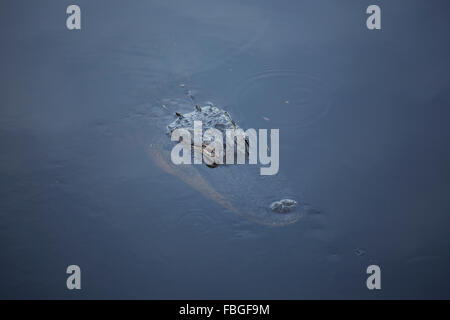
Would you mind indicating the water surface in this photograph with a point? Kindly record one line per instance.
(363, 118)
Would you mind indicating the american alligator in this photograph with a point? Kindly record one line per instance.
(238, 188)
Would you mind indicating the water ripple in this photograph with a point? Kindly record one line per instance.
(286, 97)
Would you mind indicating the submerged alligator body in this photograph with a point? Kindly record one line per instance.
(238, 188)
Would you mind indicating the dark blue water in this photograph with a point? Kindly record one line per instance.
(364, 139)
